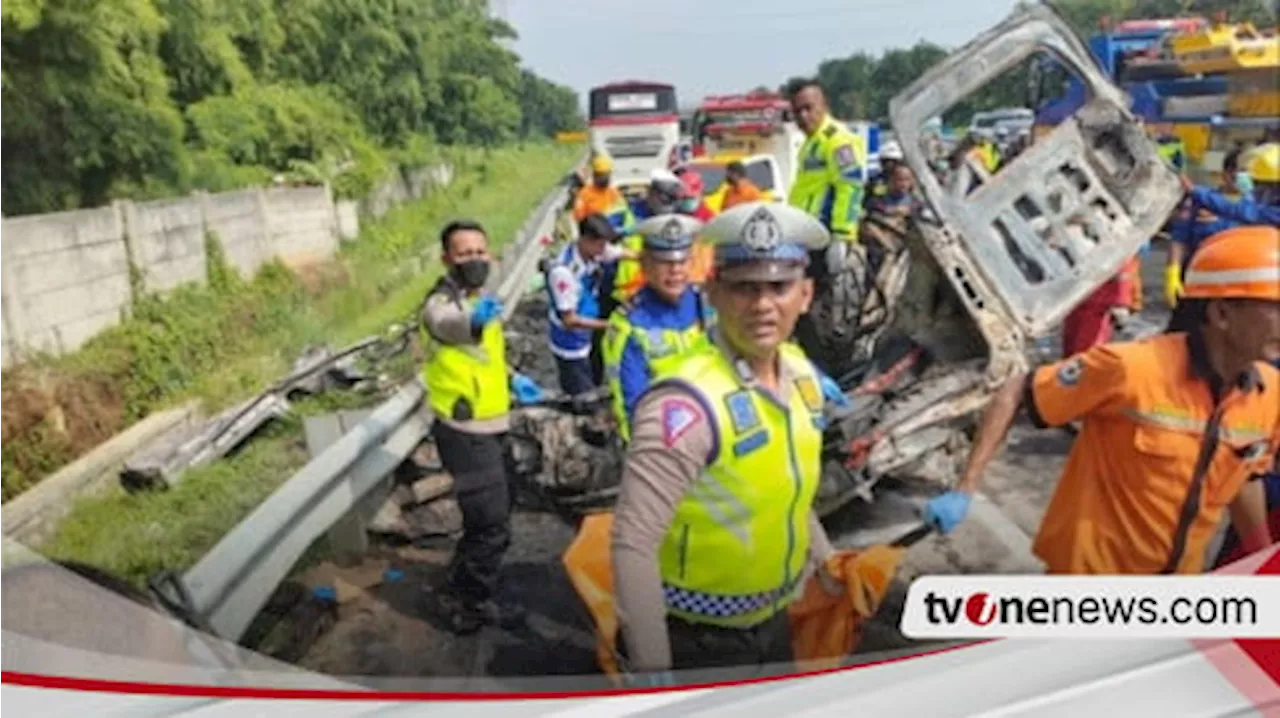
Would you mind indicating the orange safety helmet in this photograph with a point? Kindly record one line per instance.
(1238, 263)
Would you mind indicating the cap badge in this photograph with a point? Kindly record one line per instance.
(762, 233)
(672, 231)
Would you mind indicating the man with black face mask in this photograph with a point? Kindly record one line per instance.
(469, 387)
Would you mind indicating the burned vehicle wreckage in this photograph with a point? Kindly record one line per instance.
(928, 314)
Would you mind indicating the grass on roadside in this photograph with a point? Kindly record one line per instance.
(226, 341)
(136, 535)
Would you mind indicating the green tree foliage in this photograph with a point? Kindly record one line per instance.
(86, 102)
(860, 86)
(117, 98)
(548, 107)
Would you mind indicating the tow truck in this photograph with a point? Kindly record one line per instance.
(1210, 85)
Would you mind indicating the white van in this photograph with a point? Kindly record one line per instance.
(1014, 119)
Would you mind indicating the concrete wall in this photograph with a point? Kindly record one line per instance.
(65, 276)
(239, 221)
(403, 187)
(166, 241)
(302, 224)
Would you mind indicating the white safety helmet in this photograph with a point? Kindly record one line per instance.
(660, 177)
(891, 150)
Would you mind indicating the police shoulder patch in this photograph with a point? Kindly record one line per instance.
(845, 156)
(678, 417)
(1070, 371)
(830, 131)
(810, 393)
(742, 411)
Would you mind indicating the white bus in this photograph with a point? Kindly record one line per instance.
(637, 124)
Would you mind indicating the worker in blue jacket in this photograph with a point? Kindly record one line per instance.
(1260, 205)
(1212, 211)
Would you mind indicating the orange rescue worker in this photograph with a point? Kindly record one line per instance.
(1173, 427)
(601, 197)
(741, 189)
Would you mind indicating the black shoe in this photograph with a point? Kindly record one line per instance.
(461, 618)
(508, 616)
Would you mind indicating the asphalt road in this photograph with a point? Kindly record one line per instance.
(390, 631)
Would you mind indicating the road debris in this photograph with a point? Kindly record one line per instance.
(163, 462)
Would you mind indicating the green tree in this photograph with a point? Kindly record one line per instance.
(115, 98)
(546, 108)
(279, 128)
(216, 47)
(86, 100)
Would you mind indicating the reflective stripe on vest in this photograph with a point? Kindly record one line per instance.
(476, 373)
(661, 348)
(738, 544)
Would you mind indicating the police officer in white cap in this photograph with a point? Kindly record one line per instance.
(714, 531)
(667, 317)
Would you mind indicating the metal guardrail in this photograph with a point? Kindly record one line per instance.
(229, 585)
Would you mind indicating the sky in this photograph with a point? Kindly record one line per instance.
(706, 47)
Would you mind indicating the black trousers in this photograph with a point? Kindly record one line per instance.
(477, 464)
(696, 645)
(577, 376)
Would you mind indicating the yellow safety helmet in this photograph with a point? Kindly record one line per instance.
(1264, 163)
(601, 164)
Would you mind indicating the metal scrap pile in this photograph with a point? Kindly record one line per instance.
(163, 462)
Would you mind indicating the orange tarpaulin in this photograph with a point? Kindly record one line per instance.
(824, 627)
(588, 562)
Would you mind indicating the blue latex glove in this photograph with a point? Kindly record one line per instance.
(831, 392)
(487, 309)
(527, 390)
(945, 512)
(661, 679)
